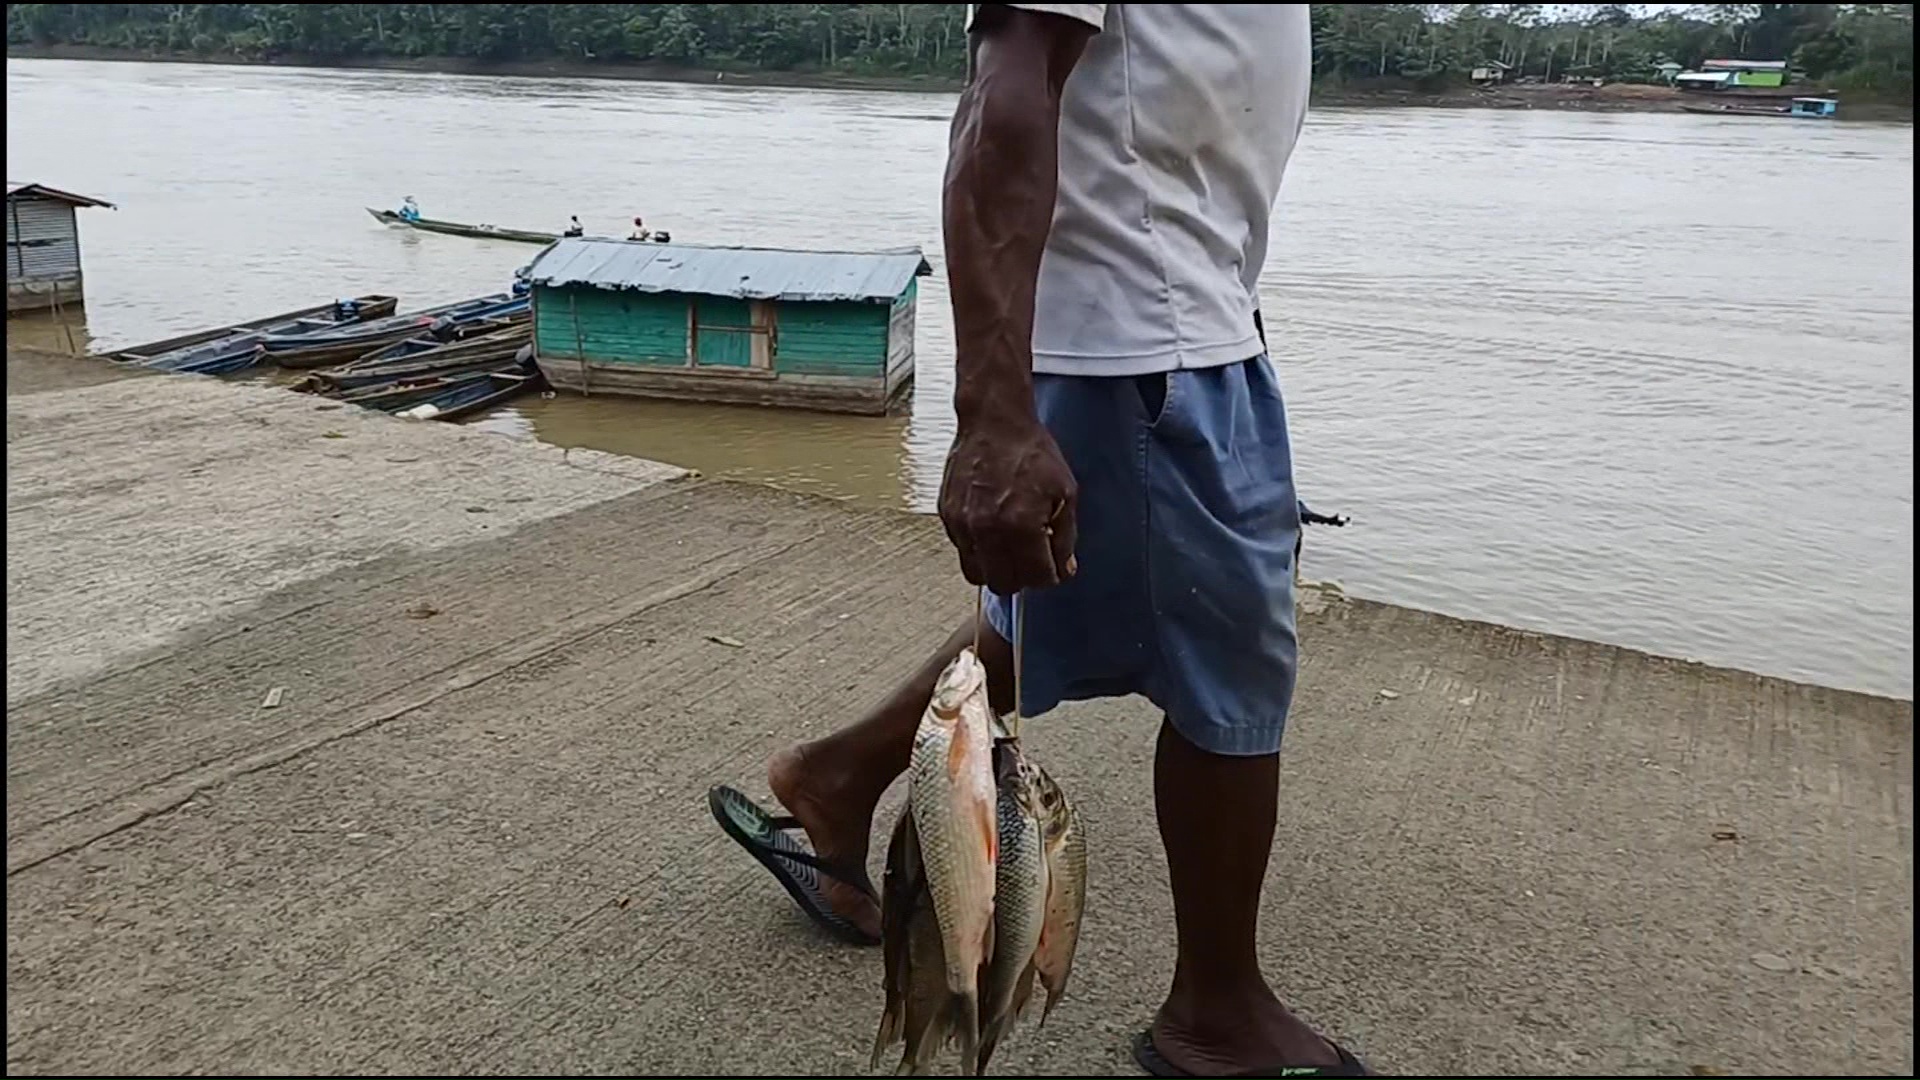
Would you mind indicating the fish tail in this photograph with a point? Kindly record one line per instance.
(964, 1015)
(989, 1039)
(932, 1040)
(1054, 994)
(888, 1034)
(1022, 995)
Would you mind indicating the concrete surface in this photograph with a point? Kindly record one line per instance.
(138, 508)
(471, 838)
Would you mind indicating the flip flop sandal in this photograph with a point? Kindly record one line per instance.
(1150, 1060)
(771, 839)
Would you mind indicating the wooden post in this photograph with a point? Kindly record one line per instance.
(579, 345)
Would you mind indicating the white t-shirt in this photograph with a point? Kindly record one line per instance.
(1175, 129)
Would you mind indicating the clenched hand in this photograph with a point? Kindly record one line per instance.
(1008, 502)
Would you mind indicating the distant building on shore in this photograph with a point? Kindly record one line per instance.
(43, 247)
(1734, 74)
(1491, 73)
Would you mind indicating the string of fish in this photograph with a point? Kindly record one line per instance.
(986, 874)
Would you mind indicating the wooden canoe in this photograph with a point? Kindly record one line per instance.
(455, 228)
(233, 348)
(1761, 111)
(486, 352)
(454, 397)
(328, 348)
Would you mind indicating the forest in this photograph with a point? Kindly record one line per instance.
(1865, 49)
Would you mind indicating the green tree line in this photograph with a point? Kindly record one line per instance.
(1864, 47)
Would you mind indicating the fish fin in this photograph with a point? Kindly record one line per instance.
(989, 1039)
(924, 1044)
(1023, 992)
(987, 820)
(999, 1027)
(964, 1015)
(880, 1042)
(960, 749)
(1054, 994)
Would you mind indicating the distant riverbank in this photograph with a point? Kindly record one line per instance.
(1618, 97)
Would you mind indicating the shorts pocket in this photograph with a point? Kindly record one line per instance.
(1154, 391)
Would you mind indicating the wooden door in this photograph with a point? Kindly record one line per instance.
(722, 332)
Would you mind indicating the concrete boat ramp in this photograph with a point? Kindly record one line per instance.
(340, 744)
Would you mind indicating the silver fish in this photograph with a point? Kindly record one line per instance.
(915, 965)
(1065, 847)
(952, 797)
(1019, 902)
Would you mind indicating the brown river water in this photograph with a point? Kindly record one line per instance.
(1644, 379)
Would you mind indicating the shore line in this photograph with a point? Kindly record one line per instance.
(1614, 98)
(33, 370)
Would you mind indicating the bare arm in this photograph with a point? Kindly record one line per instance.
(1002, 176)
(1008, 497)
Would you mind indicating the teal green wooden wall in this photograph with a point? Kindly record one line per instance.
(650, 329)
(832, 339)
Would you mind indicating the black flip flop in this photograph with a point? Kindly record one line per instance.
(770, 839)
(1150, 1060)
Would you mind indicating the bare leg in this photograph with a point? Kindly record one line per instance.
(1216, 820)
(833, 784)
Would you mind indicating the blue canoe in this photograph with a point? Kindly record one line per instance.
(494, 348)
(235, 348)
(450, 398)
(327, 347)
(465, 334)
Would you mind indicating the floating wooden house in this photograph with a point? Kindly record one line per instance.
(825, 330)
(43, 247)
(1814, 108)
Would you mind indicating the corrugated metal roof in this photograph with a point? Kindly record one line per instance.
(744, 273)
(1743, 65)
(15, 187)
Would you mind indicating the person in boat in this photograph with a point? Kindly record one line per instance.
(640, 231)
(409, 210)
(574, 227)
(1121, 467)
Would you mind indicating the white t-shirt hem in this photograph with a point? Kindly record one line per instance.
(1206, 356)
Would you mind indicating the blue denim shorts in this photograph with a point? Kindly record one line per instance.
(1186, 541)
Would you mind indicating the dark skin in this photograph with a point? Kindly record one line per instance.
(1007, 498)
(1008, 501)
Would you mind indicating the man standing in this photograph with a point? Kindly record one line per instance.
(1121, 462)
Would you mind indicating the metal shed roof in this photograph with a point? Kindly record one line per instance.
(15, 187)
(1743, 65)
(744, 273)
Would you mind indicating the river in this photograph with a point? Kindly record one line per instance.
(1644, 379)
